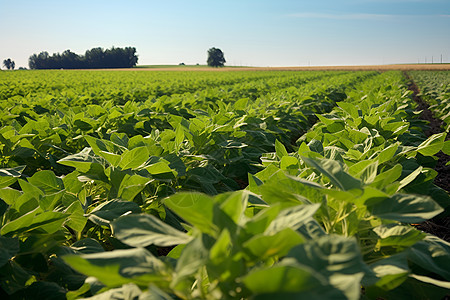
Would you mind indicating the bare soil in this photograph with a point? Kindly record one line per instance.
(439, 227)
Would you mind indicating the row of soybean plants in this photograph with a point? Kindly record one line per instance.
(331, 220)
(70, 171)
(435, 90)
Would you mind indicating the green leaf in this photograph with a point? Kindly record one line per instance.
(292, 217)
(280, 149)
(87, 246)
(9, 175)
(76, 220)
(406, 208)
(9, 195)
(195, 208)
(446, 147)
(82, 161)
(118, 267)
(8, 248)
(160, 167)
(111, 210)
(393, 235)
(47, 181)
(432, 145)
(233, 204)
(349, 108)
(48, 222)
(145, 230)
(288, 162)
(334, 171)
(387, 153)
(286, 279)
(132, 185)
(193, 257)
(391, 271)
(127, 291)
(432, 254)
(133, 159)
(264, 246)
(87, 163)
(408, 179)
(336, 258)
(387, 177)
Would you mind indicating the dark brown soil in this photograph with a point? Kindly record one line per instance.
(439, 227)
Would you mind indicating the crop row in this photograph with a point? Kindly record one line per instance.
(317, 220)
(435, 89)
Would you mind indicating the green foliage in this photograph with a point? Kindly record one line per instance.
(192, 187)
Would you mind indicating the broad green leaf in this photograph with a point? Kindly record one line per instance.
(264, 246)
(432, 145)
(432, 254)
(336, 258)
(111, 210)
(274, 280)
(241, 104)
(387, 177)
(8, 248)
(47, 181)
(289, 162)
(387, 153)
(280, 149)
(19, 224)
(87, 246)
(145, 230)
(88, 163)
(195, 208)
(446, 147)
(160, 167)
(397, 235)
(221, 249)
(334, 171)
(132, 185)
(47, 222)
(77, 220)
(233, 204)
(9, 195)
(133, 159)
(408, 179)
(391, 271)
(9, 175)
(292, 217)
(112, 158)
(118, 267)
(406, 208)
(349, 108)
(193, 257)
(120, 139)
(81, 161)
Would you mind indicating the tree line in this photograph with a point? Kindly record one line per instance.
(96, 58)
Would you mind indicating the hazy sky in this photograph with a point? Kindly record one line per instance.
(249, 32)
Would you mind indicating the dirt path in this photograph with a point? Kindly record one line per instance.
(438, 226)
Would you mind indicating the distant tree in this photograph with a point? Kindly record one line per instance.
(93, 59)
(9, 64)
(215, 58)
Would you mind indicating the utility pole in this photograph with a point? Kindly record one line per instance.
(441, 58)
(432, 59)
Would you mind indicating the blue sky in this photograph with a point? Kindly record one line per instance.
(249, 32)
